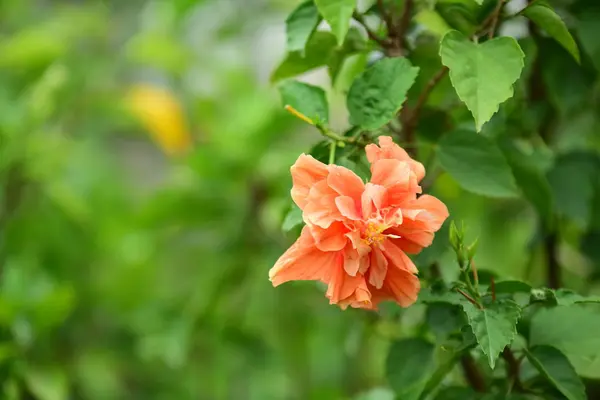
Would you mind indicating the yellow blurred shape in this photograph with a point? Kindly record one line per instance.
(162, 115)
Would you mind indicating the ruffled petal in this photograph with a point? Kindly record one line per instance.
(333, 238)
(341, 285)
(397, 257)
(387, 149)
(378, 268)
(374, 198)
(345, 182)
(303, 261)
(306, 171)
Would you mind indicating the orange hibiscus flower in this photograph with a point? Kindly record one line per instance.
(357, 235)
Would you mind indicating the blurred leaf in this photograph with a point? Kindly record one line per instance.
(512, 287)
(308, 99)
(574, 173)
(494, 326)
(555, 327)
(409, 365)
(292, 219)
(377, 94)
(319, 49)
(456, 393)
(472, 64)
(476, 164)
(444, 319)
(545, 17)
(588, 32)
(157, 49)
(301, 24)
(338, 14)
(531, 181)
(47, 383)
(376, 394)
(433, 22)
(555, 367)
(351, 67)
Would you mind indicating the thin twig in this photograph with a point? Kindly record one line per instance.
(426, 92)
(383, 42)
(387, 16)
(403, 25)
(495, 17)
(470, 299)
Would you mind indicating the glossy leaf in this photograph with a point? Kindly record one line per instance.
(319, 49)
(308, 99)
(546, 18)
(338, 14)
(377, 94)
(482, 74)
(300, 25)
(494, 326)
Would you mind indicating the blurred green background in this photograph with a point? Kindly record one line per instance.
(130, 270)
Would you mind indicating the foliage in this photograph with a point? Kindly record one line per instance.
(144, 173)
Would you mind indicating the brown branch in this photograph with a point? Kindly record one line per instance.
(410, 117)
(470, 299)
(472, 374)
(383, 42)
(386, 16)
(513, 367)
(426, 92)
(494, 18)
(475, 274)
(403, 26)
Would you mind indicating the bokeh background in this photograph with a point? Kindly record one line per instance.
(144, 164)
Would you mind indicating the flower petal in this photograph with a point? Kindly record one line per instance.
(306, 171)
(348, 207)
(374, 198)
(341, 285)
(303, 261)
(378, 268)
(345, 182)
(387, 149)
(333, 238)
(397, 257)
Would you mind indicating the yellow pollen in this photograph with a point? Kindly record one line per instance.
(373, 234)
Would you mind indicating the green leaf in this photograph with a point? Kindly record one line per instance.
(561, 297)
(319, 49)
(444, 319)
(377, 94)
(308, 99)
(494, 326)
(433, 22)
(477, 164)
(376, 394)
(292, 219)
(572, 330)
(482, 74)
(545, 17)
(574, 173)
(512, 287)
(409, 365)
(531, 180)
(555, 367)
(300, 25)
(338, 14)
(588, 31)
(47, 383)
(427, 296)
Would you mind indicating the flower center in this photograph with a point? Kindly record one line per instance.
(373, 233)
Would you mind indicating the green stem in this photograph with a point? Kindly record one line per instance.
(332, 148)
